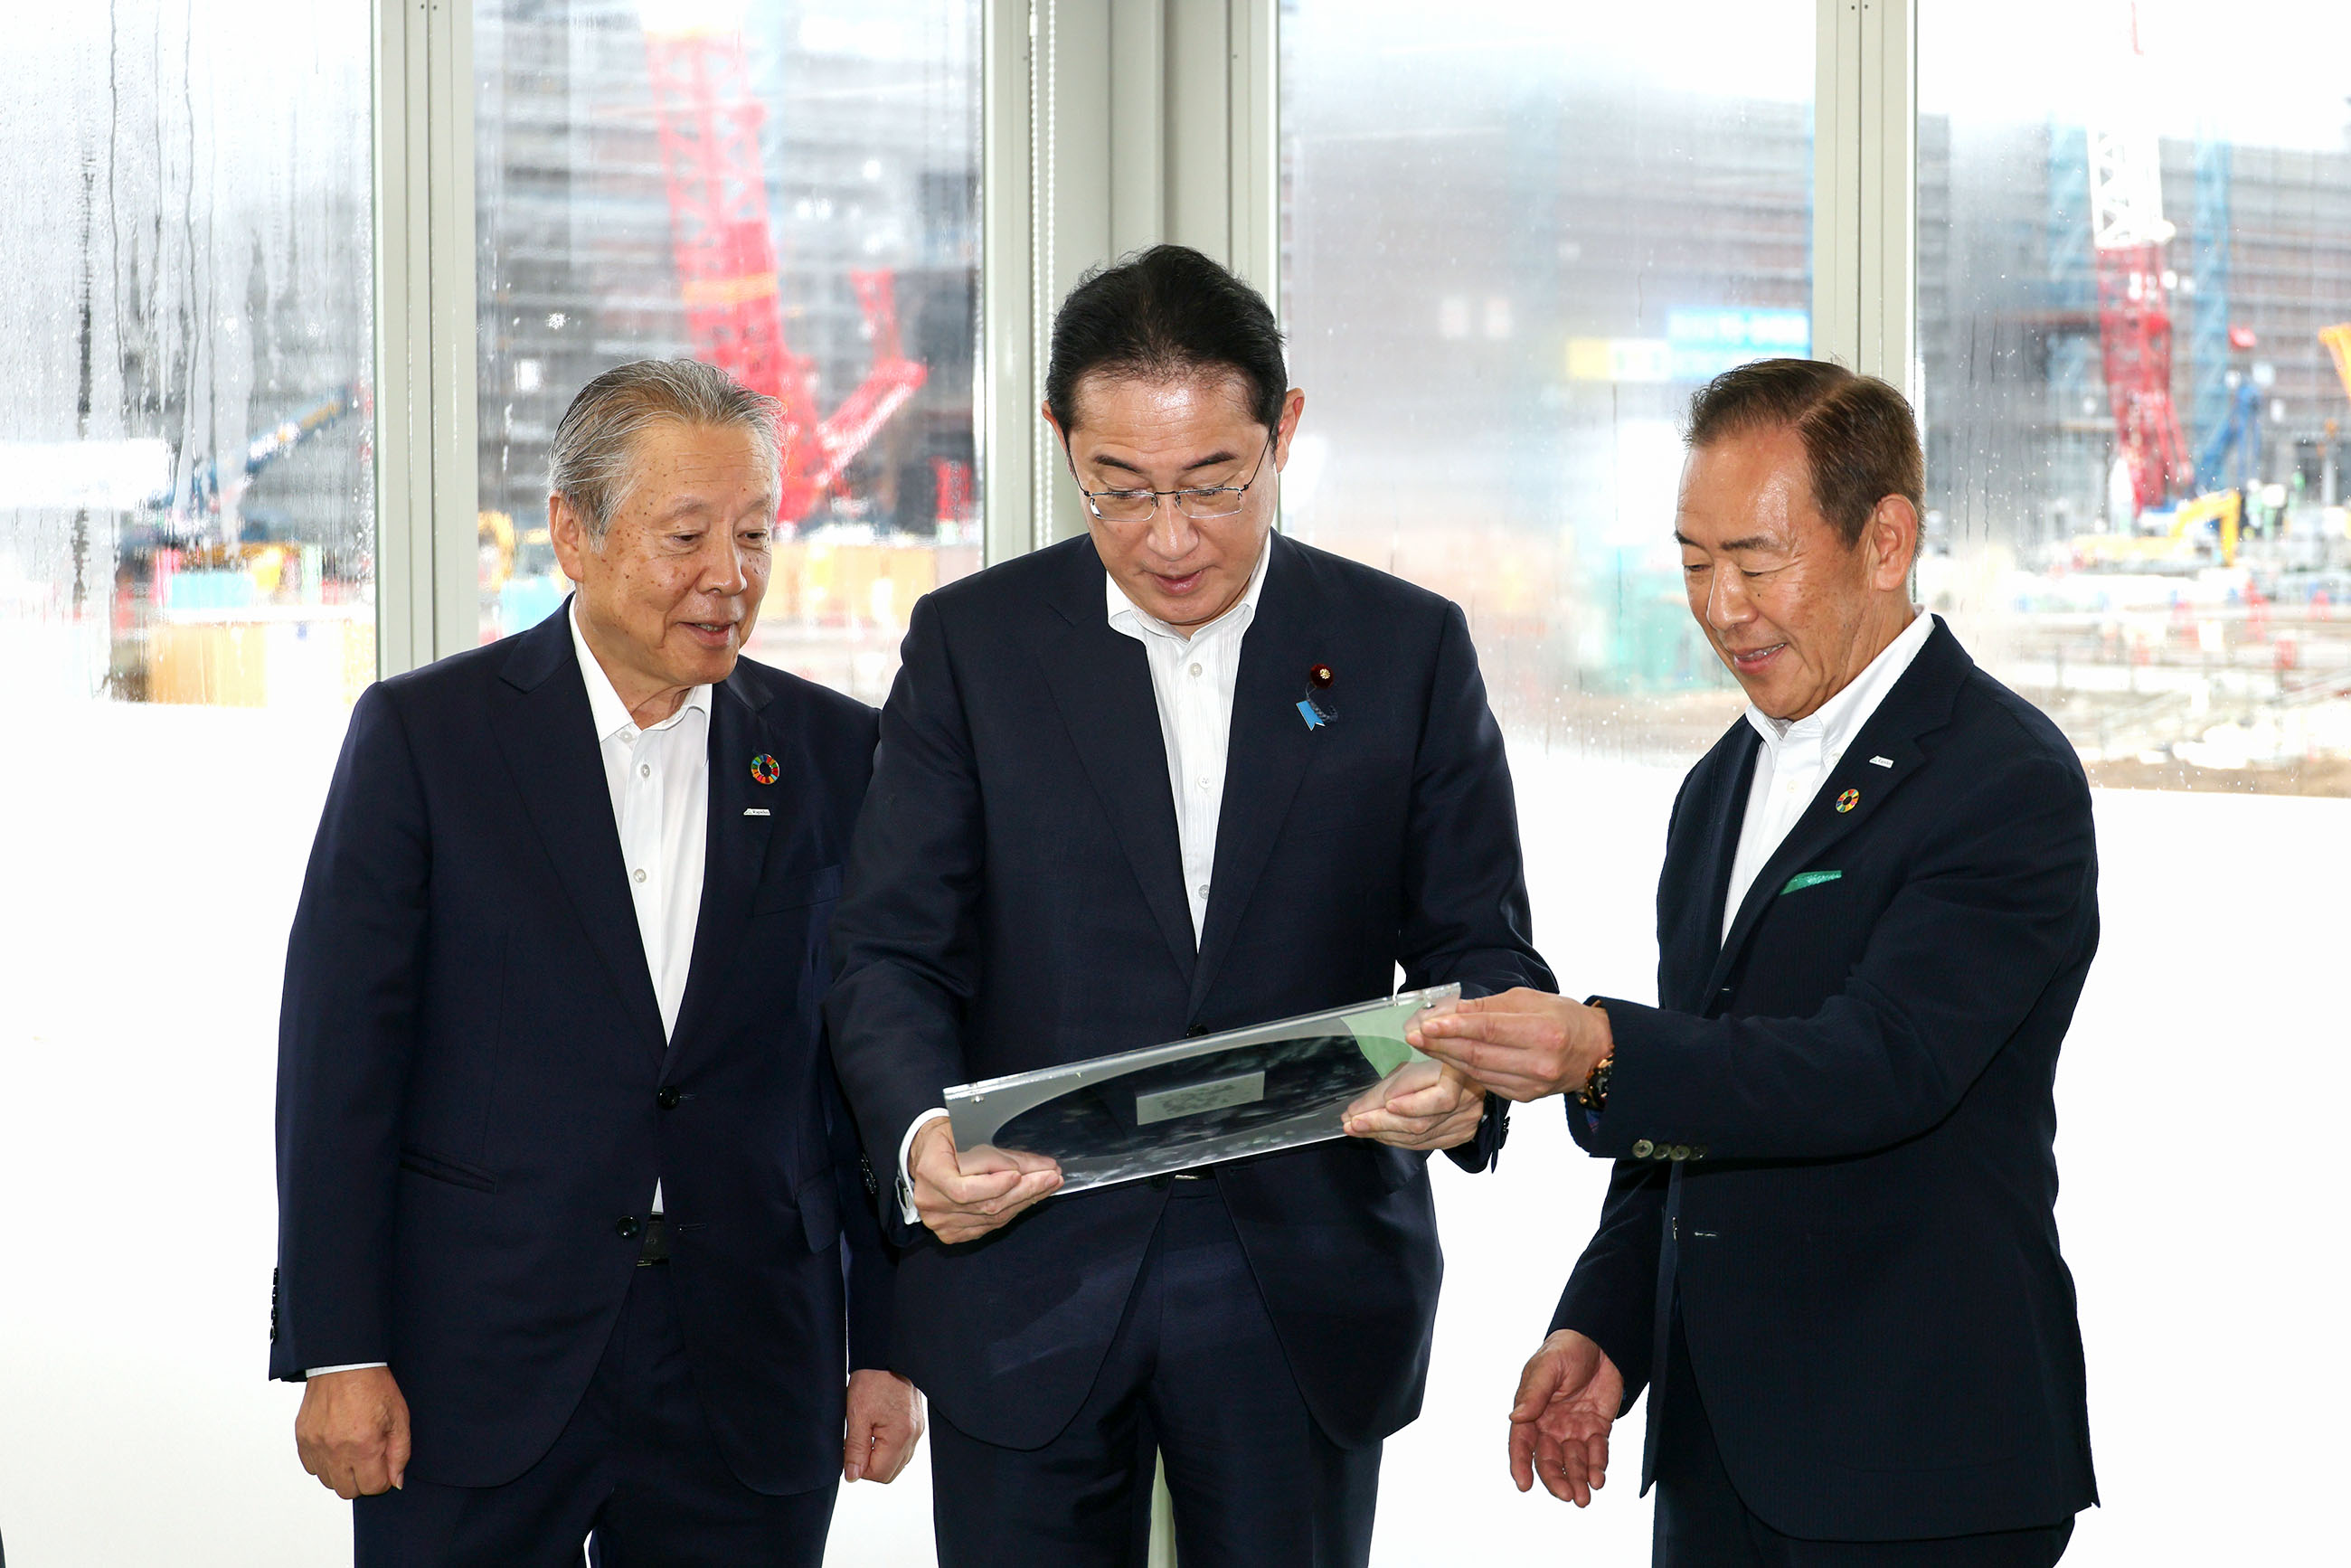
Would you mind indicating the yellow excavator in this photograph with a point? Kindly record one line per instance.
(2227, 508)
(2337, 340)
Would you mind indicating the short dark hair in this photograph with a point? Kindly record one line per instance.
(1861, 441)
(1160, 314)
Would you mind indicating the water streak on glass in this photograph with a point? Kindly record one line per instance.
(1513, 245)
(786, 190)
(2136, 450)
(186, 484)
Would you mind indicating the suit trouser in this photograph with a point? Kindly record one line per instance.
(1195, 1373)
(1700, 1522)
(637, 1467)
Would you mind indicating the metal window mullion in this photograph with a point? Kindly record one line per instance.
(455, 449)
(403, 625)
(1254, 105)
(1888, 146)
(1836, 181)
(425, 460)
(1004, 378)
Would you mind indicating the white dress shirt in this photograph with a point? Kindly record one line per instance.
(1192, 679)
(659, 778)
(1799, 755)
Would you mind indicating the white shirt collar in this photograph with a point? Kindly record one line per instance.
(1127, 616)
(604, 703)
(1836, 721)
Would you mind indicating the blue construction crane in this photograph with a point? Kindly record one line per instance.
(2241, 431)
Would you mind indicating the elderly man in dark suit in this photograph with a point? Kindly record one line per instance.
(574, 1236)
(1829, 1250)
(1176, 776)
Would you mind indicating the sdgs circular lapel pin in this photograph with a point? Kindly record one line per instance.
(1848, 800)
(1316, 707)
(765, 771)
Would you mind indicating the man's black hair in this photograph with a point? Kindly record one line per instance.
(1160, 314)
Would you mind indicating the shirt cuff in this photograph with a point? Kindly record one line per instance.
(905, 1180)
(354, 1366)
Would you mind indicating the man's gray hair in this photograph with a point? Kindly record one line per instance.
(593, 462)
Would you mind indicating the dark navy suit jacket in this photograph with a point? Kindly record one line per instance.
(474, 1093)
(1015, 900)
(1835, 1136)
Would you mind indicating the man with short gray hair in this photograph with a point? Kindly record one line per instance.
(574, 1230)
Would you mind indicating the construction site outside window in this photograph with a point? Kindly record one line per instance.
(788, 190)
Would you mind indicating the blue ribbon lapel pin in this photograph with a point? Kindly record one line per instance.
(1316, 707)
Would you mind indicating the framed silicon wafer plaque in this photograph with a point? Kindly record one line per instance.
(1191, 1103)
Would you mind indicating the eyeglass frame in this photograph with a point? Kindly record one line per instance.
(1241, 489)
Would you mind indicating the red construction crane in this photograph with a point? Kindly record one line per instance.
(2127, 232)
(709, 121)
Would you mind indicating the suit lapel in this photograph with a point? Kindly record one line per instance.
(1266, 753)
(1719, 816)
(549, 742)
(734, 847)
(1101, 682)
(1919, 703)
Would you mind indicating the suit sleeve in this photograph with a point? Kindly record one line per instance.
(1996, 908)
(347, 1032)
(869, 1267)
(1612, 1295)
(905, 938)
(1465, 894)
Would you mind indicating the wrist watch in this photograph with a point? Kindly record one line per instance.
(1593, 1095)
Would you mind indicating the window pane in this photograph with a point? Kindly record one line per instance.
(186, 493)
(1516, 239)
(788, 190)
(186, 575)
(2102, 380)
(2132, 235)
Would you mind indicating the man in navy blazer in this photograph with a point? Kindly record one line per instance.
(1177, 776)
(1829, 1247)
(574, 1233)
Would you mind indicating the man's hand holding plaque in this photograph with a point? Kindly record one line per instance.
(1420, 1106)
(964, 1194)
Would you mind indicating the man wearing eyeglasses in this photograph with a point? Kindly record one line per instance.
(1177, 775)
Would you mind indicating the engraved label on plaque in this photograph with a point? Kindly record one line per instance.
(1216, 1094)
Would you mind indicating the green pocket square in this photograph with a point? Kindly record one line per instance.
(1804, 878)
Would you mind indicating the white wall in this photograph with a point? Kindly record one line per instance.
(153, 858)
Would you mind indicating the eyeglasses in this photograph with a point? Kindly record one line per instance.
(1203, 504)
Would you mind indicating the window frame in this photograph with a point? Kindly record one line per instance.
(1071, 173)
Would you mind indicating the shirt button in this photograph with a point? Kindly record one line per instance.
(639, 873)
(1202, 782)
(1196, 669)
(1203, 891)
(644, 770)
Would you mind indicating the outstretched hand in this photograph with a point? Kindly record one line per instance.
(1522, 1044)
(963, 1195)
(1568, 1398)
